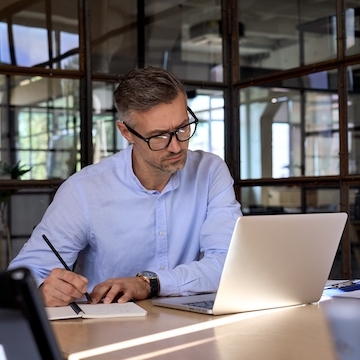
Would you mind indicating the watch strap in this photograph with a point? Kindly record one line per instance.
(154, 285)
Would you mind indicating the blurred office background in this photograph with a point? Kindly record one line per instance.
(275, 85)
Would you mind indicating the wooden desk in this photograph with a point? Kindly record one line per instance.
(297, 333)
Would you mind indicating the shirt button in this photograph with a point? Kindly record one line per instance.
(161, 233)
(162, 268)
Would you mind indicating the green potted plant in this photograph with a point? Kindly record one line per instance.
(15, 172)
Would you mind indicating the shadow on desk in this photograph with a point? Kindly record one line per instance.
(344, 319)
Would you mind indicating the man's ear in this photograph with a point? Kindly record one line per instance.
(125, 132)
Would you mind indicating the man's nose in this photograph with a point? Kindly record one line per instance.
(174, 145)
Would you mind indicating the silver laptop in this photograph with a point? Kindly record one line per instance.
(273, 261)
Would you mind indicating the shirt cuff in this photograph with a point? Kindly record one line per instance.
(169, 283)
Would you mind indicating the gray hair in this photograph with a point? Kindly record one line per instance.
(144, 88)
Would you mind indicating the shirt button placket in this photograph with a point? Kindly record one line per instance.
(161, 233)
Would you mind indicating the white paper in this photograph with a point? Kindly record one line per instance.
(61, 312)
(96, 311)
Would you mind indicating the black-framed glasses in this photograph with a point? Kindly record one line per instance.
(162, 141)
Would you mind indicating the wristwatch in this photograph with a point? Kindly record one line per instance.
(152, 279)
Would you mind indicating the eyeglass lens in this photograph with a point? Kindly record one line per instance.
(182, 134)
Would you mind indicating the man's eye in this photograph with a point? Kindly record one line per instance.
(161, 137)
(185, 128)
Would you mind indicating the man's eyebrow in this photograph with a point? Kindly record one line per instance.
(161, 132)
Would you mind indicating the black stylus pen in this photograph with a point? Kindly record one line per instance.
(61, 260)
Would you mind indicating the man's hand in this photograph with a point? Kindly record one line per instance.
(121, 290)
(62, 287)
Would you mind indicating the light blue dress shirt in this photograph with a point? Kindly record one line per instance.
(103, 216)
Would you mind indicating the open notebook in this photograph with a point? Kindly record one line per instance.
(95, 311)
(272, 261)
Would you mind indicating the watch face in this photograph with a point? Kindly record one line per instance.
(148, 274)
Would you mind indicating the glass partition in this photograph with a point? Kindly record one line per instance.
(208, 105)
(354, 229)
(106, 137)
(184, 37)
(39, 33)
(261, 200)
(353, 118)
(181, 36)
(290, 131)
(257, 200)
(278, 35)
(352, 27)
(321, 134)
(41, 128)
(113, 36)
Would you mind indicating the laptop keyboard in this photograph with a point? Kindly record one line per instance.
(209, 304)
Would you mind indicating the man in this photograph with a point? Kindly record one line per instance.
(153, 219)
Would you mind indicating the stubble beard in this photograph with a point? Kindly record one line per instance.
(173, 167)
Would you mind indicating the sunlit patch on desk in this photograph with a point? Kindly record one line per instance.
(216, 322)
